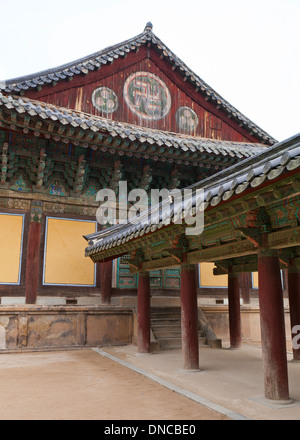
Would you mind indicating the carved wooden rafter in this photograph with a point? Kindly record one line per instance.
(41, 169)
(257, 223)
(80, 175)
(116, 176)
(252, 234)
(136, 259)
(179, 247)
(174, 178)
(4, 162)
(146, 178)
(61, 129)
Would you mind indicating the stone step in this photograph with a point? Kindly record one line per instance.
(166, 312)
(167, 333)
(170, 343)
(161, 331)
(165, 309)
(173, 332)
(166, 322)
(166, 327)
(176, 336)
(161, 316)
(176, 343)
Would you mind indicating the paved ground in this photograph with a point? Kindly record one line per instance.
(83, 385)
(230, 380)
(119, 384)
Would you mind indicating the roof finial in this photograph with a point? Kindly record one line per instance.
(149, 27)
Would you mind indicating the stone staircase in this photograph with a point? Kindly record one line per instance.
(166, 328)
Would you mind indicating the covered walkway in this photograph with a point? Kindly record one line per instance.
(250, 219)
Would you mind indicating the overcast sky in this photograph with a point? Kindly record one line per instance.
(247, 51)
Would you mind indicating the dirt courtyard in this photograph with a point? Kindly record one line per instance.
(82, 385)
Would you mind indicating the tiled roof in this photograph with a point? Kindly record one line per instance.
(177, 147)
(110, 54)
(251, 173)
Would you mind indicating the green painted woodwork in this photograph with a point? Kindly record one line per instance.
(125, 279)
(53, 166)
(169, 278)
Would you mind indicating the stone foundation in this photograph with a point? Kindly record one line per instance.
(57, 327)
(218, 318)
(24, 327)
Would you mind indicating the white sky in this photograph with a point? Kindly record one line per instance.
(247, 51)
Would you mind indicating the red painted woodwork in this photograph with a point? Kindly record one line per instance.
(189, 317)
(245, 282)
(234, 310)
(272, 328)
(77, 95)
(144, 314)
(32, 263)
(294, 300)
(106, 282)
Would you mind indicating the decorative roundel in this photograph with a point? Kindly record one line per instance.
(147, 96)
(105, 100)
(187, 119)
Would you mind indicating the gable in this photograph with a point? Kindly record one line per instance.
(141, 94)
(141, 82)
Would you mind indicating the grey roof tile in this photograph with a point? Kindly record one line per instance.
(114, 128)
(282, 157)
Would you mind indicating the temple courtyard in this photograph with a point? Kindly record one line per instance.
(118, 383)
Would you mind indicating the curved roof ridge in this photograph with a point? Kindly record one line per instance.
(73, 63)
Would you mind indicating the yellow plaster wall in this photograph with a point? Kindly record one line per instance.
(255, 280)
(208, 279)
(11, 232)
(65, 262)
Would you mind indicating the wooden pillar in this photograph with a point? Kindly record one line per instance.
(106, 282)
(294, 300)
(104, 273)
(272, 326)
(285, 275)
(144, 313)
(245, 286)
(189, 317)
(234, 309)
(33, 253)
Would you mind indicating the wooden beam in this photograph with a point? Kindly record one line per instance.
(161, 263)
(284, 239)
(237, 268)
(215, 253)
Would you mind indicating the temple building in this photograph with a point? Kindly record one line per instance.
(132, 112)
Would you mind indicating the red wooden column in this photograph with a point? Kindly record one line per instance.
(189, 317)
(294, 300)
(245, 286)
(106, 282)
(272, 326)
(234, 309)
(143, 312)
(105, 272)
(33, 253)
